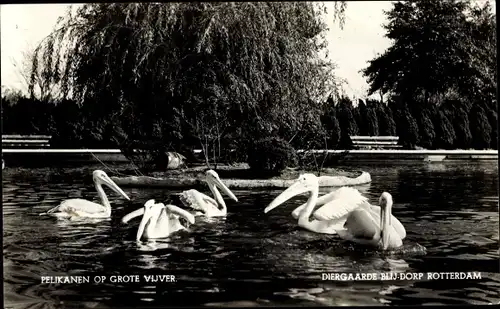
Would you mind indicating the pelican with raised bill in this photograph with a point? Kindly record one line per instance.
(367, 227)
(77, 207)
(336, 206)
(204, 204)
(159, 220)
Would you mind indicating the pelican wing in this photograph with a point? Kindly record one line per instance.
(79, 206)
(341, 202)
(360, 224)
(321, 201)
(198, 200)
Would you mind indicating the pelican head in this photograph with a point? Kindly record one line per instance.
(212, 178)
(151, 211)
(101, 178)
(305, 183)
(138, 212)
(385, 202)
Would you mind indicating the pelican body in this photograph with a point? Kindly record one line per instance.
(366, 227)
(78, 207)
(336, 206)
(204, 204)
(158, 220)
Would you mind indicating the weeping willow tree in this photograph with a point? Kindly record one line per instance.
(162, 76)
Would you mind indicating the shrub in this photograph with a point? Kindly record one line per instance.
(271, 155)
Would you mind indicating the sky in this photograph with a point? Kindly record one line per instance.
(23, 26)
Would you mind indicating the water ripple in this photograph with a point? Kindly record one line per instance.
(250, 258)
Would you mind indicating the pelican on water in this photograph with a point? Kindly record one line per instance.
(206, 205)
(337, 205)
(158, 220)
(367, 227)
(78, 207)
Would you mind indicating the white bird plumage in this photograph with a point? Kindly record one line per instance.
(207, 206)
(337, 205)
(368, 227)
(77, 207)
(158, 220)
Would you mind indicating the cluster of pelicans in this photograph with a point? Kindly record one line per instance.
(344, 211)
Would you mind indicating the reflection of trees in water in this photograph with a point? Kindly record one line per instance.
(440, 186)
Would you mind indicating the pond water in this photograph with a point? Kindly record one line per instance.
(250, 258)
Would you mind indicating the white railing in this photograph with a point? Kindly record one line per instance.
(38, 141)
(369, 142)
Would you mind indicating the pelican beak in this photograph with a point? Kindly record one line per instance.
(181, 212)
(217, 182)
(113, 186)
(133, 214)
(295, 189)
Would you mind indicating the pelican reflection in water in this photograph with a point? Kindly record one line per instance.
(77, 207)
(159, 220)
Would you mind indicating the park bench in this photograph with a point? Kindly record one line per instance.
(26, 141)
(375, 142)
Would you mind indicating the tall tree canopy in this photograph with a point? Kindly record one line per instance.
(174, 71)
(439, 47)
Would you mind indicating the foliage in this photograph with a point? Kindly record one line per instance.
(331, 124)
(271, 155)
(424, 116)
(386, 124)
(158, 75)
(406, 125)
(439, 47)
(458, 115)
(345, 112)
(371, 118)
(361, 116)
(445, 133)
(480, 128)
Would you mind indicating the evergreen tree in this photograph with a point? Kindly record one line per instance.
(386, 123)
(445, 133)
(371, 119)
(480, 128)
(347, 122)
(331, 124)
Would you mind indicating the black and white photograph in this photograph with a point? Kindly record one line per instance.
(249, 154)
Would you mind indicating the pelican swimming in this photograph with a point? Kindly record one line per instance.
(336, 205)
(158, 220)
(208, 206)
(365, 226)
(78, 207)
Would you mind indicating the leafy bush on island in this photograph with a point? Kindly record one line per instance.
(271, 155)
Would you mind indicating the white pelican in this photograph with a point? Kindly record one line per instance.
(336, 206)
(158, 220)
(366, 227)
(208, 206)
(78, 207)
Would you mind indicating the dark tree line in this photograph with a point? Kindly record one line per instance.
(448, 125)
